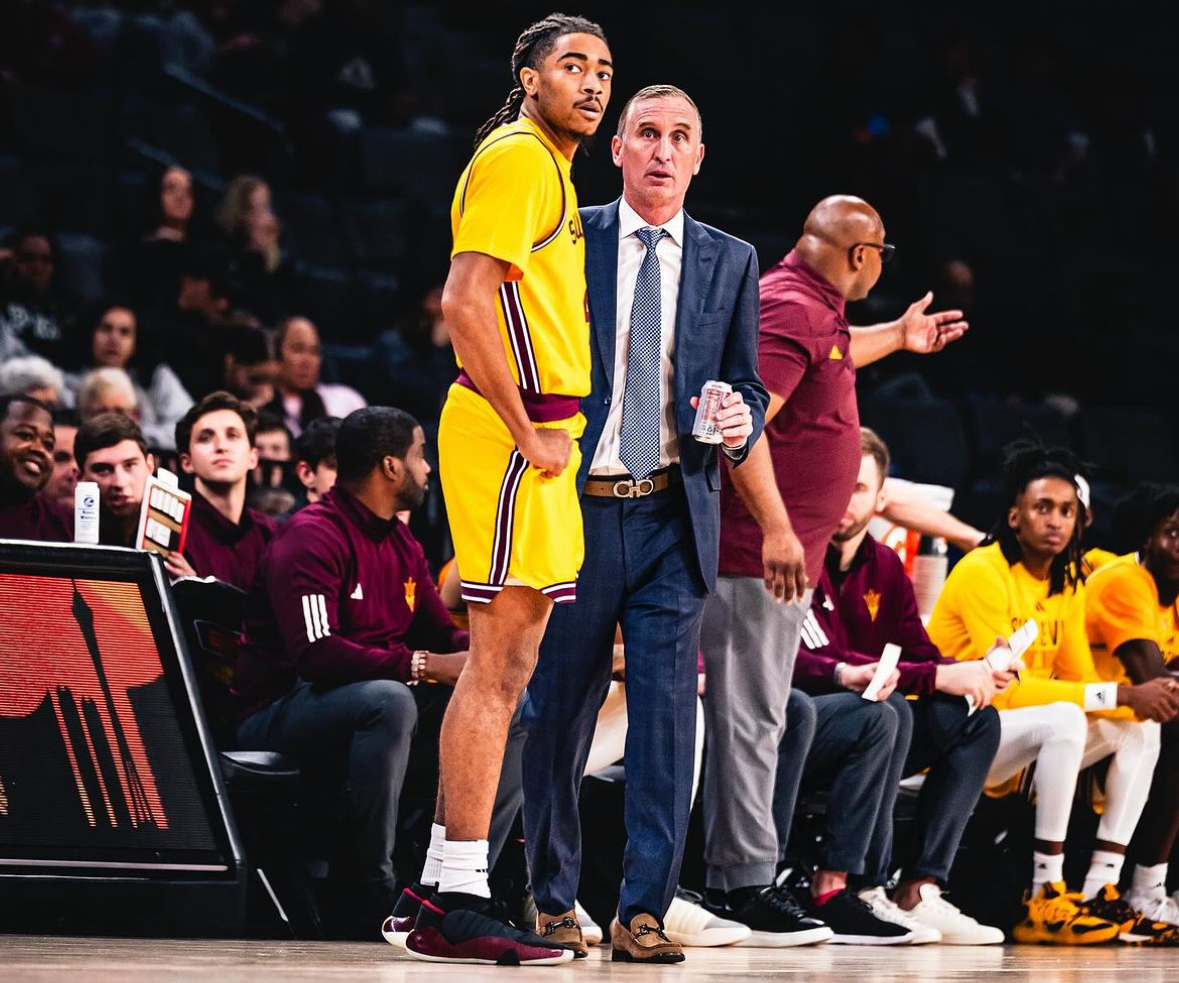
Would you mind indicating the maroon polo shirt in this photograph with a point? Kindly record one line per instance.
(854, 614)
(219, 548)
(38, 518)
(803, 356)
(343, 596)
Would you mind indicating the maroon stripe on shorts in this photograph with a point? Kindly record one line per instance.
(501, 550)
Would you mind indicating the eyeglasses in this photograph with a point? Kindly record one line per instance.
(886, 249)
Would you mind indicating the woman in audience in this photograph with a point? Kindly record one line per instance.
(151, 267)
(159, 395)
(301, 397)
(34, 314)
(248, 221)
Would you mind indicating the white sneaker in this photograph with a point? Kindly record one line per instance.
(689, 923)
(591, 931)
(956, 928)
(887, 910)
(1157, 906)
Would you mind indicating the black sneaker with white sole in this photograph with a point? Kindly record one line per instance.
(775, 918)
(853, 923)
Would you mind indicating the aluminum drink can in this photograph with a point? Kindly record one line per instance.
(705, 429)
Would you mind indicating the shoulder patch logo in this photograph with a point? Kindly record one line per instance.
(872, 600)
(411, 588)
(358, 594)
(836, 355)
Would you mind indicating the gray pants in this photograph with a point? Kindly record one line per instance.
(749, 645)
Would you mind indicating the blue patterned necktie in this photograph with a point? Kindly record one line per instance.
(638, 438)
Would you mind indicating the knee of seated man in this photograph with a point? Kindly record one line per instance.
(878, 721)
(1065, 722)
(1144, 734)
(801, 716)
(388, 705)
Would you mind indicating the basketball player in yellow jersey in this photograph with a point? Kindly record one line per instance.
(1132, 614)
(515, 301)
(1030, 568)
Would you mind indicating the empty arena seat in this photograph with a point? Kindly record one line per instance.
(925, 437)
(995, 423)
(411, 162)
(1128, 445)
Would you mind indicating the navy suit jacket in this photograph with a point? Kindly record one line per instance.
(716, 329)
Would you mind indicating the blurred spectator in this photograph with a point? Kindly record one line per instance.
(261, 272)
(113, 344)
(301, 397)
(32, 375)
(416, 357)
(26, 465)
(250, 367)
(315, 461)
(273, 439)
(192, 327)
(106, 391)
(34, 316)
(151, 267)
(65, 469)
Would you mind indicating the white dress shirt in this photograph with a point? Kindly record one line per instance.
(631, 251)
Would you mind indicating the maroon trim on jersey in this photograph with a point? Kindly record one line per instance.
(473, 593)
(540, 407)
(518, 334)
(561, 593)
(505, 517)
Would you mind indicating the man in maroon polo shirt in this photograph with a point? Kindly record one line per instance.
(344, 614)
(26, 465)
(226, 540)
(778, 512)
(864, 601)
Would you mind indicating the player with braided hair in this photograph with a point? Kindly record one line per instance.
(1133, 622)
(515, 300)
(1060, 713)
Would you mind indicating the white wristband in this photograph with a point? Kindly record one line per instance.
(1101, 696)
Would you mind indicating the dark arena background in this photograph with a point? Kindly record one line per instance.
(1025, 163)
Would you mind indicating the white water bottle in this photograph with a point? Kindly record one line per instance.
(86, 512)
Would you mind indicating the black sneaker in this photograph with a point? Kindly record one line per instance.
(472, 934)
(775, 919)
(853, 923)
(400, 923)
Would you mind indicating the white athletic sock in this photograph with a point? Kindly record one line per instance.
(464, 868)
(433, 868)
(1046, 867)
(1150, 880)
(1104, 868)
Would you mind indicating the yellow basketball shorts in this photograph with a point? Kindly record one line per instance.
(510, 525)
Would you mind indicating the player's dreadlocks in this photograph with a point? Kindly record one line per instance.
(532, 47)
(1136, 515)
(1026, 461)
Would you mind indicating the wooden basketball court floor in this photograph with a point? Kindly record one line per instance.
(40, 959)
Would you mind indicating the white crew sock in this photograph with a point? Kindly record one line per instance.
(1150, 880)
(464, 868)
(1104, 868)
(1046, 867)
(433, 868)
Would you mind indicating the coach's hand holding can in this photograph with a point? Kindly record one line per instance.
(722, 415)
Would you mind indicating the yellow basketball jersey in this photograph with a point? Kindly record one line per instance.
(1122, 604)
(515, 201)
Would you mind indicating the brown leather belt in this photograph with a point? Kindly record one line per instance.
(624, 486)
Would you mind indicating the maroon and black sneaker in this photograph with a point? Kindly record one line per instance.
(398, 925)
(471, 934)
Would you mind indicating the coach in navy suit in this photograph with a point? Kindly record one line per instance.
(673, 303)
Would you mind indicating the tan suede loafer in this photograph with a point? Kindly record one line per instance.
(562, 930)
(643, 942)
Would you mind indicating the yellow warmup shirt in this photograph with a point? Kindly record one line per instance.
(515, 202)
(1094, 559)
(1122, 604)
(985, 598)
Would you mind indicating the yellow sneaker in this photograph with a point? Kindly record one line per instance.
(1134, 928)
(1053, 915)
